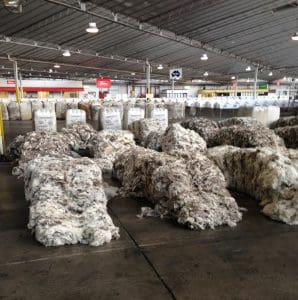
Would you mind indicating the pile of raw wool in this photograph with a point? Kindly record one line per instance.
(108, 145)
(14, 148)
(182, 142)
(247, 137)
(36, 144)
(289, 134)
(239, 121)
(283, 122)
(266, 175)
(206, 128)
(67, 202)
(192, 192)
(80, 135)
(148, 133)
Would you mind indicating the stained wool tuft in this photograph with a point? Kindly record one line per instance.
(148, 133)
(289, 134)
(266, 175)
(193, 192)
(247, 137)
(206, 128)
(182, 142)
(283, 122)
(67, 202)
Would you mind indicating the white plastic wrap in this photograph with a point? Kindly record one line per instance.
(110, 118)
(160, 115)
(26, 111)
(132, 114)
(74, 116)
(14, 111)
(49, 105)
(36, 105)
(61, 108)
(45, 120)
(5, 115)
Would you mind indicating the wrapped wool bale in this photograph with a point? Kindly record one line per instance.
(80, 135)
(4, 110)
(110, 119)
(289, 134)
(176, 111)
(87, 108)
(192, 192)
(72, 105)
(61, 108)
(26, 111)
(36, 105)
(74, 116)
(119, 106)
(132, 114)
(148, 132)
(14, 111)
(206, 128)
(283, 122)
(95, 108)
(239, 121)
(160, 115)
(247, 137)
(73, 211)
(45, 120)
(182, 142)
(266, 175)
(37, 144)
(49, 105)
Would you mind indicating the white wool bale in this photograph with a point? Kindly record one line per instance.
(14, 111)
(110, 118)
(49, 105)
(26, 111)
(36, 105)
(5, 115)
(75, 116)
(132, 114)
(160, 115)
(95, 109)
(45, 120)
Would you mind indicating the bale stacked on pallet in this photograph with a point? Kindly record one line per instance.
(247, 137)
(148, 133)
(182, 142)
(289, 134)
(266, 175)
(67, 202)
(193, 192)
(206, 128)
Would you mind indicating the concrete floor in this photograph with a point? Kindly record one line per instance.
(153, 259)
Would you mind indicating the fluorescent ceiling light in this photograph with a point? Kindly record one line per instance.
(133, 73)
(270, 74)
(92, 28)
(248, 68)
(206, 74)
(50, 71)
(295, 36)
(160, 67)
(204, 57)
(56, 66)
(66, 53)
(233, 77)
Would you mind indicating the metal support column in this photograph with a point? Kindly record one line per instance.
(21, 85)
(256, 82)
(16, 78)
(148, 71)
(173, 87)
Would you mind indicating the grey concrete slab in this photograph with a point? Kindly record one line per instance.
(259, 268)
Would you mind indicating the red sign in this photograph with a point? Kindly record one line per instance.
(11, 81)
(278, 83)
(103, 83)
(234, 83)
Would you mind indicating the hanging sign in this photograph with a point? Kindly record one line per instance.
(234, 83)
(175, 74)
(103, 83)
(277, 83)
(11, 81)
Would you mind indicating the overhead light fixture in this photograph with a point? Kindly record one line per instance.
(248, 69)
(50, 71)
(160, 67)
(270, 74)
(133, 73)
(204, 57)
(233, 77)
(56, 66)
(295, 36)
(66, 53)
(92, 28)
(206, 74)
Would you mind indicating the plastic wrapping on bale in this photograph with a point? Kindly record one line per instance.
(148, 132)
(110, 118)
(49, 105)
(14, 111)
(132, 114)
(283, 122)
(239, 121)
(61, 108)
(26, 111)
(247, 137)
(193, 192)
(289, 134)
(160, 115)
(45, 120)
(206, 128)
(36, 105)
(4, 110)
(37, 144)
(67, 202)
(182, 142)
(176, 111)
(72, 105)
(266, 175)
(95, 111)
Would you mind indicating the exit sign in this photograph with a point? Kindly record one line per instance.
(263, 86)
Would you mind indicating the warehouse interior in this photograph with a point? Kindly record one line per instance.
(148, 149)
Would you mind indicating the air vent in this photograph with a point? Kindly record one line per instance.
(285, 7)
